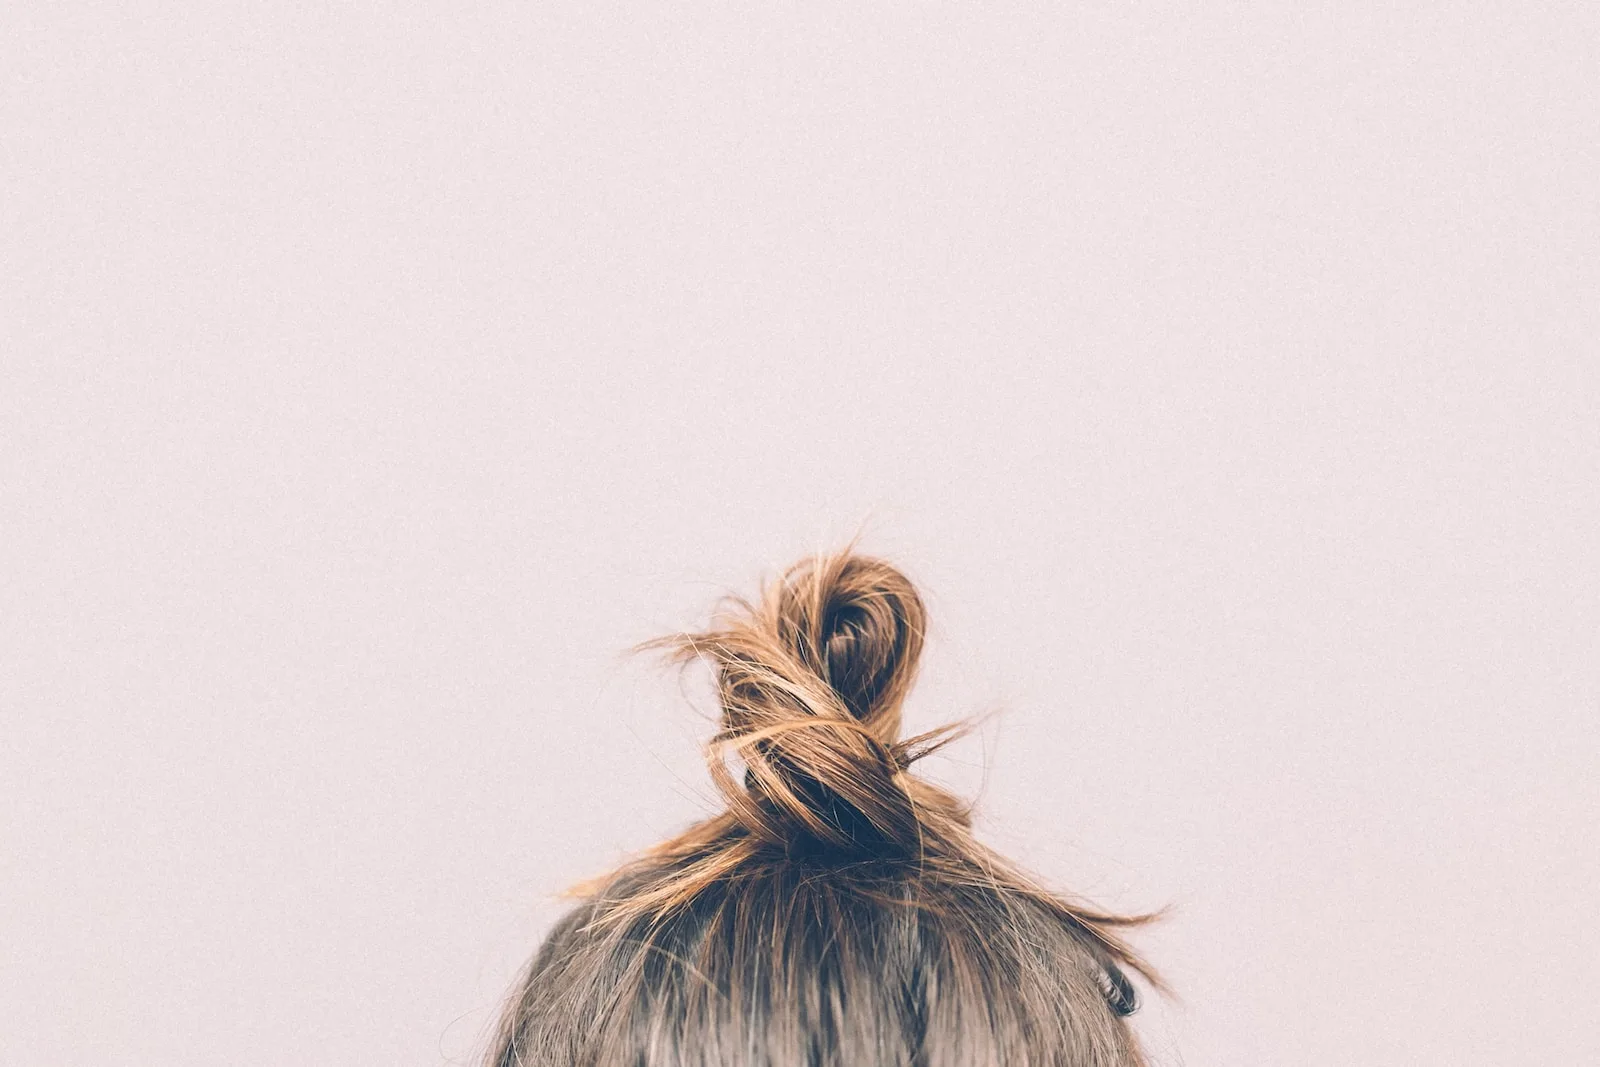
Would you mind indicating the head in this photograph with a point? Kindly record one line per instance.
(839, 912)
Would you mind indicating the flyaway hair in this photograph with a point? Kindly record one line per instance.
(839, 912)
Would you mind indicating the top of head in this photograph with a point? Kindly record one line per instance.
(839, 912)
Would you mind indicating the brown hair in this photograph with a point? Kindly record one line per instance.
(839, 913)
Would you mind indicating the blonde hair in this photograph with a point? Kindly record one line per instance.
(839, 912)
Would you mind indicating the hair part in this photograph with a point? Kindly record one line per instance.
(839, 912)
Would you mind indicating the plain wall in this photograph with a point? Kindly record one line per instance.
(374, 374)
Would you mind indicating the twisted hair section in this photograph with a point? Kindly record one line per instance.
(812, 678)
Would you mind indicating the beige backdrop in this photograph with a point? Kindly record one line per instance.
(374, 373)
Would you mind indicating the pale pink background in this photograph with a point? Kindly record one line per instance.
(374, 373)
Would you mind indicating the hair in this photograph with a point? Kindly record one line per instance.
(839, 912)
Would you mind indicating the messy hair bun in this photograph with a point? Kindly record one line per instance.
(811, 681)
(839, 911)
